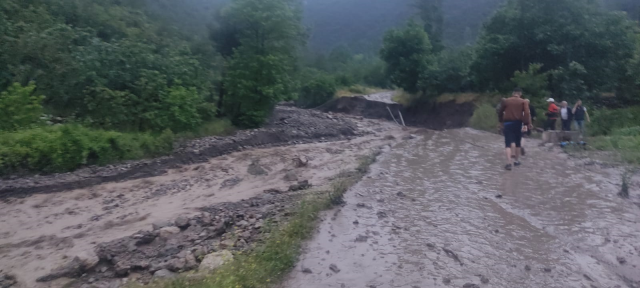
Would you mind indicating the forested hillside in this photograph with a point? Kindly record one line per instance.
(97, 81)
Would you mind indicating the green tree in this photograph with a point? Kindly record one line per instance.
(20, 107)
(452, 73)
(554, 33)
(317, 91)
(431, 14)
(408, 55)
(261, 71)
(533, 82)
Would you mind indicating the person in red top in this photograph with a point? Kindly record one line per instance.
(552, 115)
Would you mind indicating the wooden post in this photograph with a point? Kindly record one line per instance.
(394, 118)
(402, 119)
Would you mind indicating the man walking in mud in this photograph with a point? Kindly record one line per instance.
(514, 113)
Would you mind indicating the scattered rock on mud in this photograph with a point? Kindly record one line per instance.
(215, 260)
(255, 169)
(7, 280)
(205, 242)
(470, 285)
(302, 185)
(334, 268)
(290, 176)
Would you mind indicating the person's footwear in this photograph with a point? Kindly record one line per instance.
(522, 151)
(508, 167)
(516, 163)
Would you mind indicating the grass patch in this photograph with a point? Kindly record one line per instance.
(627, 148)
(404, 98)
(484, 118)
(217, 127)
(63, 148)
(458, 97)
(270, 261)
(357, 90)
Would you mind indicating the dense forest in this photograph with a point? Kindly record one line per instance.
(96, 81)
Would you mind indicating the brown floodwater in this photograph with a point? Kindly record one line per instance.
(440, 211)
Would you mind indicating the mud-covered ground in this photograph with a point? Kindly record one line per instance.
(143, 223)
(440, 211)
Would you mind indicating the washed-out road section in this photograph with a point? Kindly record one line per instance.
(440, 211)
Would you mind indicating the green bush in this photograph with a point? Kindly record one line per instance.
(20, 108)
(631, 131)
(484, 118)
(607, 121)
(67, 147)
(317, 91)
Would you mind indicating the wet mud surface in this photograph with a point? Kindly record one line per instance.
(132, 228)
(440, 211)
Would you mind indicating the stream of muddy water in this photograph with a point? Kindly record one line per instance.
(440, 211)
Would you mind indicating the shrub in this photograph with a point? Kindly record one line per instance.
(20, 108)
(484, 118)
(317, 92)
(606, 121)
(66, 147)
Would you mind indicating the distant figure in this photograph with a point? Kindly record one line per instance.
(552, 115)
(566, 115)
(514, 112)
(579, 114)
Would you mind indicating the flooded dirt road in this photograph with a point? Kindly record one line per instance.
(440, 211)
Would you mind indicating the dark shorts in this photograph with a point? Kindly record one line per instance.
(512, 133)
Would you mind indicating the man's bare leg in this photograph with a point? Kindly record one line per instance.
(517, 152)
(509, 154)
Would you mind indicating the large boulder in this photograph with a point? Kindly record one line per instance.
(215, 260)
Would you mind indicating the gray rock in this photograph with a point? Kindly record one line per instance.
(290, 176)
(7, 280)
(177, 264)
(255, 169)
(621, 260)
(167, 232)
(164, 274)
(446, 281)
(362, 238)
(88, 259)
(190, 261)
(527, 267)
(307, 271)
(334, 268)
(122, 269)
(215, 260)
(484, 280)
(470, 285)
(302, 185)
(182, 222)
(227, 243)
(161, 224)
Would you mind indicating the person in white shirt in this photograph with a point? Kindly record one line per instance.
(566, 116)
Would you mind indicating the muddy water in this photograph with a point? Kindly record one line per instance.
(557, 223)
(41, 232)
